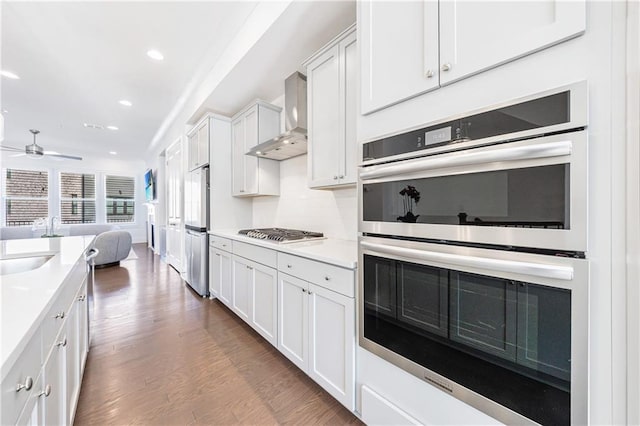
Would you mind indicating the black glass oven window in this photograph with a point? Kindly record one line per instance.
(534, 197)
(506, 340)
(537, 113)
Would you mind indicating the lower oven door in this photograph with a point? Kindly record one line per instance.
(530, 193)
(505, 332)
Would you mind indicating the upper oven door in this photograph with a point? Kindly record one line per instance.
(531, 193)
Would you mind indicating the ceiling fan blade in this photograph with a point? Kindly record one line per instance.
(10, 148)
(68, 157)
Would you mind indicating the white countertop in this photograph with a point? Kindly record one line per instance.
(25, 297)
(343, 253)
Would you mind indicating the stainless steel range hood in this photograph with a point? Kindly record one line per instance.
(293, 142)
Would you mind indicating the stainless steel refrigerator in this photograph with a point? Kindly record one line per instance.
(196, 224)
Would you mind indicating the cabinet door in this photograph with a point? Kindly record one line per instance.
(242, 275)
(83, 328)
(325, 118)
(264, 303)
(192, 147)
(214, 272)
(293, 319)
(475, 36)
(226, 279)
(238, 163)
(332, 343)
(349, 80)
(72, 361)
(203, 144)
(399, 48)
(250, 140)
(33, 408)
(53, 383)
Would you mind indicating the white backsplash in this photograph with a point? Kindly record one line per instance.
(333, 212)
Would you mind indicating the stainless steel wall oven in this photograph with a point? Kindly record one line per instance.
(473, 276)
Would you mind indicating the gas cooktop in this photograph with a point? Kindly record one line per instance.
(282, 236)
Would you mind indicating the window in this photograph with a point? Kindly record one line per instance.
(120, 191)
(77, 198)
(26, 196)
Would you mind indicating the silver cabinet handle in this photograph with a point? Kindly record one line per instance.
(60, 315)
(341, 176)
(224, 245)
(309, 292)
(94, 252)
(218, 254)
(82, 298)
(446, 66)
(429, 74)
(249, 267)
(63, 342)
(242, 190)
(327, 278)
(335, 177)
(304, 291)
(28, 383)
(289, 266)
(46, 391)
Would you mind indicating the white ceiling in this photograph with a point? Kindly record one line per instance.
(76, 60)
(299, 32)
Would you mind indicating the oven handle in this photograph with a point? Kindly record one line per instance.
(558, 272)
(544, 150)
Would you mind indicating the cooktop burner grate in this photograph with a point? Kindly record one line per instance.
(281, 235)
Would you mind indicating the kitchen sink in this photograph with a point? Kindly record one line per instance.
(22, 264)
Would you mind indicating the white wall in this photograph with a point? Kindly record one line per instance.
(100, 166)
(333, 212)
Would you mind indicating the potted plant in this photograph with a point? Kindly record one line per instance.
(410, 197)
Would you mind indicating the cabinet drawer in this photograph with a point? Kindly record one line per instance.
(379, 411)
(220, 243)
(54, 319)
(27, 365)
(257, 254)
(332, 277)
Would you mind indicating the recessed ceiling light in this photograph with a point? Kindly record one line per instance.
(4, 111)
(113, 153)
(9, 74)
(154, 54)
(93, 126)
(125, 102)
(112, 128)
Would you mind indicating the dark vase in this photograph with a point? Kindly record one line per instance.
(409, 217)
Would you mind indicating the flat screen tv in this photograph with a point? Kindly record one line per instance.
(149, 186)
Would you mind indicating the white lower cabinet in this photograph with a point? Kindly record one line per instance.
(53, 389)
(293, 317)
(241, 287)
(264, 301)
(304, 307)
(317, 333)
(255, 296)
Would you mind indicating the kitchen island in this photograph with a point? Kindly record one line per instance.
(44, 314)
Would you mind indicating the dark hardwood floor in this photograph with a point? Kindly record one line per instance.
(160, 354)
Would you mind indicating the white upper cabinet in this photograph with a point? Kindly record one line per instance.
(399, 51)
(198, 144)
(252, 175)
(409, 48)
(331, 105)
(475, 36)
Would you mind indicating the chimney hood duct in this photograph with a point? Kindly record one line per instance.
(293, 141)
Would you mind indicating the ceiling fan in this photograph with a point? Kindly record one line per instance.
(36, 151)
